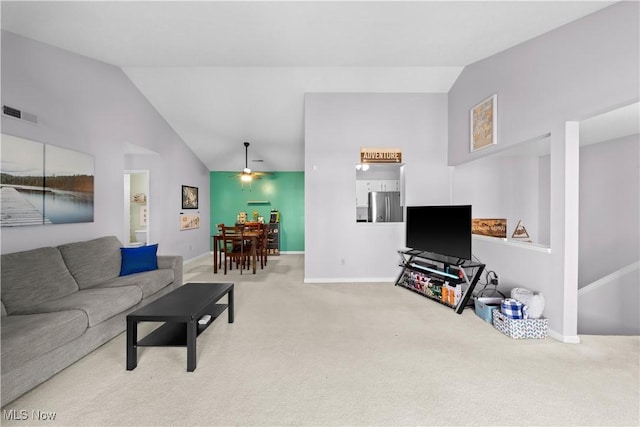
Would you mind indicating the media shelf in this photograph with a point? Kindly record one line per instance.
(446, 280)
(174, 334)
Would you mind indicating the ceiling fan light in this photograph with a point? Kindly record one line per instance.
(245, 177)
(246, 171)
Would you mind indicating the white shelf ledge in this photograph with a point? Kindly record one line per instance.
(513, 242)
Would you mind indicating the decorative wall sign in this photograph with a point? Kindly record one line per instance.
(189, 221)
(484, 123)
(380, 155)
(44, 184)
(489, 227)
(189, 197)
(520, 232)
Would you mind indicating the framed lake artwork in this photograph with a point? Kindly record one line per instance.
(484, 124)
(44, 184)
(189, 197)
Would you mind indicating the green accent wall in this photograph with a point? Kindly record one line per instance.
(283, 191)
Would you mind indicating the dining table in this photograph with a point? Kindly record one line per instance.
(252, 235)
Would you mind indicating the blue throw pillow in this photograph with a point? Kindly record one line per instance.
(136, 260)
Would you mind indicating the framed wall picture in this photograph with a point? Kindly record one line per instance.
(484, 124)
(189, 221)
(44, 184)
(189, 197)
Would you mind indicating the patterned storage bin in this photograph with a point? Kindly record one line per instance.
(520, 328)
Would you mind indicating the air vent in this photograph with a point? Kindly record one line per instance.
(11, 112)
(20, 115)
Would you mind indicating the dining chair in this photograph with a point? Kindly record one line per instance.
(220, 243)
(257, 227)
(234, 246)
(263, 244)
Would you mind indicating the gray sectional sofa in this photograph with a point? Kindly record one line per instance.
(61, 303)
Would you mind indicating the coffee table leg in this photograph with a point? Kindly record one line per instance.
(191, 345)
(132, 344)
(230, 305)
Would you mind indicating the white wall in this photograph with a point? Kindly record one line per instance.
(337, 126)
(90, 106)
(574, 72)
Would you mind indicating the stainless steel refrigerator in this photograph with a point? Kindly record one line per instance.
(384, 206)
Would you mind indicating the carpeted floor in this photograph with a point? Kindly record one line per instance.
(344, 354)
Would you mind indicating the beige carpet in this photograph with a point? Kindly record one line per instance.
(345, 354)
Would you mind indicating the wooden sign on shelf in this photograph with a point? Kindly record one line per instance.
(492, 227)
(520, 232)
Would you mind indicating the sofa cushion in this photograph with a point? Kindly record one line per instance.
(100, 304)
(149, 282)
(29, 336)
(93, 261)
(137, 260)
(33, 277)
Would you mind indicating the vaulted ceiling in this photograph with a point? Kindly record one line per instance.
(222, 73)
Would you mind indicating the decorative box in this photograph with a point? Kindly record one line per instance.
(520, 328)
(485, 306)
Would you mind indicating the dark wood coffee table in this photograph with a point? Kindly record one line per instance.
(180, 310)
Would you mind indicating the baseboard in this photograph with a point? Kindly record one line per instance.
(197, 258)
(351, 280)
(568, 339)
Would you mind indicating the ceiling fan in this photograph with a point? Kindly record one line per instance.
(247, 175)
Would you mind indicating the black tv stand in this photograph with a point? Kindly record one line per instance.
(435, 276)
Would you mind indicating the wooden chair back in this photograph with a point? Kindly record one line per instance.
(234, 248)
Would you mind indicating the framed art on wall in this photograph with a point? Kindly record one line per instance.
(484, 124)
(189, 221)
(189, 197)
(44, 184)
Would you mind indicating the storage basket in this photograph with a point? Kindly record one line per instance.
(484, 307)
(520, 328)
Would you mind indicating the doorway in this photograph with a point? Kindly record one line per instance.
(608, 242)
(136, 208)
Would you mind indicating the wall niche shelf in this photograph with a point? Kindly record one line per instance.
(512, 182)
(512, 242)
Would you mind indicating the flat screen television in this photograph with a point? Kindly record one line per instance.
(444, 230)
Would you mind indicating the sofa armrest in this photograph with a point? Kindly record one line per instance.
(175, 263)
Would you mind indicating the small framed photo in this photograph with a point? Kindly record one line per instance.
(189, 197)
(484, 124)
(189, 221)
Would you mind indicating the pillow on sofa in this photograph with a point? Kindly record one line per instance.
(93, 262)
(33, 277)
(136, 260)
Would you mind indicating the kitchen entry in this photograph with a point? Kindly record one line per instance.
(136, 211)
(379, 192)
